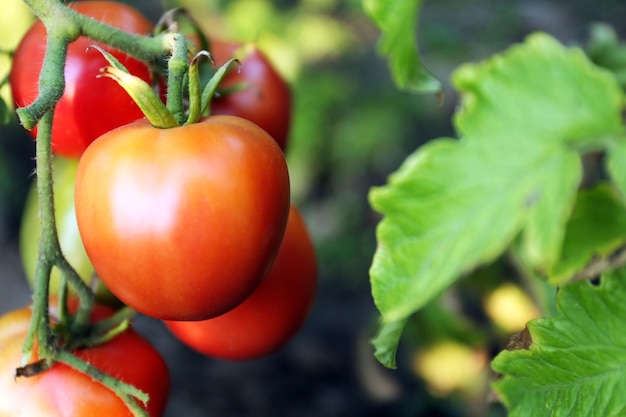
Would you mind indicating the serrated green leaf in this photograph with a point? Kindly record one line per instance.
(454, 205)
(526, 117)
(538, 94)
(596, 230)
(576, 362)
(386, 342)
(397, 20)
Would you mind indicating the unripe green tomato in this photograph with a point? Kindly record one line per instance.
(15, 19)
(64, 173)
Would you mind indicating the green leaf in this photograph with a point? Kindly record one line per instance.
(387, 341)
(539, 94)
(616, 164)
(597, 229)
(397, 20)
(526, 116)
(575, 364)
(450, 207)
(605, 51)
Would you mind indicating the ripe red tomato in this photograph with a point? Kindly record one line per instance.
(183, 223)
(266, 97)
(64, 392)
(267, 319)
(90, 106)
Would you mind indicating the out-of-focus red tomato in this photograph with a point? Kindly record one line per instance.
(267, 319)
(90, 105)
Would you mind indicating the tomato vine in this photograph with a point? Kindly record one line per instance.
(63, 26)
(217, 268)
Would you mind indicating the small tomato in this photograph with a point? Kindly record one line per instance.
(262, 95)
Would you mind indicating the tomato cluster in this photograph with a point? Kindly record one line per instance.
(192, 224)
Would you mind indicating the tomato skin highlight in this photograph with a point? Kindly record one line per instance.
(274, 312)
(64, 392)
(183, 223)
(266, 97)
(90, 106)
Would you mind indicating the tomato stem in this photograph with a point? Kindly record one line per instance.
(179, 20)
(51, 81)
(126, 392)
(105, 330)
(63, 25)
(48, 243)
(64, 311)
(142, 47)
(50, 253)
(178, 66)
(33, 369)
(86, 296)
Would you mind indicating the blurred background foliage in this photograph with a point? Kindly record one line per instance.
(352, 128)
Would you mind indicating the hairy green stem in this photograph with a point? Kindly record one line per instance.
(104, 330)
(51, 81)
(48, 243)
(81, 318)
(50, 255)
(178, 66)
(126, 392)
(142, 47)
(123, 315)
(64, 25)
(55, 15)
